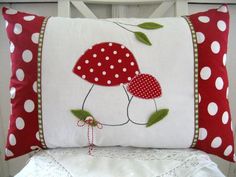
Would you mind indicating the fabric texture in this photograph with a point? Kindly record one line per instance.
(41, 107)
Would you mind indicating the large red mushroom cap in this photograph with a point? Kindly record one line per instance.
(107, 64)
(145, 86)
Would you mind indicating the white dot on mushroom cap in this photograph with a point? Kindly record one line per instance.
(116, 75)
(212, 108)
(91, 70)
(129, 78)
(112, 67)
(215, 47)
(20, 123)
(8, 153)
(200, 37)
(221, 25)
(83, 76)
(115, 52)
(35, 86)
(12, 139)
(127, 54)
(99, 64)
(79, 67)
(12, 47)
(227, 93)
(110, 44)
(137, 72)
(96, 79)
(225, 117)
(205, 73)
(104, 73)
(108, 82)
(29, 18)
(94, 55)
(102, 49)
(122, 47)
(27, 56)
(132, 63)
(37, 136)
(217, 141)
(17, 28)
(29, 106)
(202, 133)
(12, 92)
(107, 58)
(86, 61)
(204, 19)
(11, 12)
(228, 150)
(20, 74)
(119, 61)
(224, 59)
(124, 70)
(6, 23)
(219, 83)
(35, 38)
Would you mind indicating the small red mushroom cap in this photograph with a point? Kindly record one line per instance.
(145, 86)
(107, 64)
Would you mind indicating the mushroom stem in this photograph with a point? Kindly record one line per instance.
(128, 114)
(126, 92)
(155, 104)
(87, 96)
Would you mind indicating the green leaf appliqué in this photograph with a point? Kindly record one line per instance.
(150, 25)
(157, 116)
(80, 114)
(142, 38)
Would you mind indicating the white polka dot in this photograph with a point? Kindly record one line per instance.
(104, 73)
(112, 67)
(12, 47)
(27, 56)
(119, 61)
(99, 64)
(200, 37)
(227, 93)
(12, 92)
(216, 142)
(224, 59)
(199, 98)
(115, 52)
(228, 150)
(222, 9)
(221, 25)
(29, 18)
(17, 28)
(79, 67)
(37, 136)
(116, 75)
(132, 63)
(86, 61)
(20, 74)
(225, 117)
(122, 47)
(12, 139)
(35, 86)
(108, 82)
(129, 78)
(204, 19)
(91, 70)
(136, 72)
(94, 55)
(219, 83)
(11, 12)
(35, 38)
(34, 147)
(202, 133)
(96, 79)
(6, 23)
(20, 124)
(8, 153)
(102, 49)
(127, 54)
(110, 44)
(29, 106)
(205, 73)
(212, 108)
(83, 76)
(124, 69)
(107, 58)
(232, 127)
(215, 47)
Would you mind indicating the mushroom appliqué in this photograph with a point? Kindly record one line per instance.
(112, 64)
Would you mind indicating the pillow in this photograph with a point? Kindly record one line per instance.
(127, 82)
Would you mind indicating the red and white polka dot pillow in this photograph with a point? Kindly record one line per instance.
(30, 84)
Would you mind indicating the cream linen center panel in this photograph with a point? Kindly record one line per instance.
(169, 59)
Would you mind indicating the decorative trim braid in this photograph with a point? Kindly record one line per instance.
(40, 46)
(196, 95)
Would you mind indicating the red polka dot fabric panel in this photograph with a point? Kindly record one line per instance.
(215, 125)
(23, 32)
(213, 133)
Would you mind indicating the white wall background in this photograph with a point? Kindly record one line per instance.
(102, 11)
